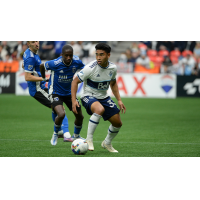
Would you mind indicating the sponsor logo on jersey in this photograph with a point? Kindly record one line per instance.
(61, 71)
(167, 83)
(30, 67)
(63, 77)
(73, 69)
(102, 86)
(56, 99)
(98, 75)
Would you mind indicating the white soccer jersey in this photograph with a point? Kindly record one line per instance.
(97, 79)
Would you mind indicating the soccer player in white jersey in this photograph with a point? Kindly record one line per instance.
(97, 76)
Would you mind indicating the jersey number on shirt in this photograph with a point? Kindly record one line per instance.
(112, 104)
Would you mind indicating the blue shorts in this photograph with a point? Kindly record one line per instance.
(108, 104)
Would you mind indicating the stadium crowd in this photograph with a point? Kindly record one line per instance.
(178, 57)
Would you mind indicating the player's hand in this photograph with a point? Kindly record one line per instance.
(74, 105)
(122, 107)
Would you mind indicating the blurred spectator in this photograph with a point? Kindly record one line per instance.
(86, 47)
(166, 65)
(14, 55)
(122, 58)
(129, 56)
(77, 48)
(3, 53)
(191, 45)
(47, 51)
(5, 46)
(8, 58)
(18, 48)
(134, 46)
(92, 50)
(196, 70)
(164, 45)
(196, 51)
(24, 47)
(188, 64)
(143, 59)
(58, 48)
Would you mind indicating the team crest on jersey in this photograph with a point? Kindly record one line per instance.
(73, 69)
(56, 99)
(30, 67)
(110, 74)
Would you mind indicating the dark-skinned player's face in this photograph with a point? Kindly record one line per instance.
(67, 56)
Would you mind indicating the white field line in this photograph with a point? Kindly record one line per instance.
(23, 140)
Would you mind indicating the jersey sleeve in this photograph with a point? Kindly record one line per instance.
(114, 75)
(84, 73)
(50, 65)
(81, 65)
(29, 64)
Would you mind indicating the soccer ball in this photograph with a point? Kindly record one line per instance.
(79, 147)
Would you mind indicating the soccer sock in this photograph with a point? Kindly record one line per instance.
(77, 130)
(56, 127)
(112, 132)
(65, 125)
(94, 121)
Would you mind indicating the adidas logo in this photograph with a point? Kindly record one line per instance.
(98, 75)
(61, 71)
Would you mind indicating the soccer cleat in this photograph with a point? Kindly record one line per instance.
(79, 137)
(90, 145)
(60, 134)
(67, 139)
(108, 147)
(54, 139)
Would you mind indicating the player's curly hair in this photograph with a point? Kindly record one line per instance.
(103, 46)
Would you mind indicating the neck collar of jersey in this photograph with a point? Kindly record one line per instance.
(66, 64)
(104, 67)
(32, 51)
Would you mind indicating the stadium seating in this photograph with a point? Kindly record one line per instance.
(174, 59)
(186, 52)
(175, 53)
(163, 53)
(152, 53)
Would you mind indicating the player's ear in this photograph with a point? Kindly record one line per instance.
(108, 55)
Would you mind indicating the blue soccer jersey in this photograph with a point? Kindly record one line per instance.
(32, 65)
(62, 75)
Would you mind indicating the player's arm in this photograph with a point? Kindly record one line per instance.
(115, 90)
(30, 77)
(74, 88)
(28, 68)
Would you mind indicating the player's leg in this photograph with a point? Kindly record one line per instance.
(57, 105)
(78, 118)
(96, 110)
(113, 130)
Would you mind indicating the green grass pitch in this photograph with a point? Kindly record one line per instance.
(151, 128)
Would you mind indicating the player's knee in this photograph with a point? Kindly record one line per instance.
(119, 124)
(61, 114)
(100, 111)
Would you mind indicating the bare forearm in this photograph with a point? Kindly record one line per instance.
(33, 78)
(74, 89)
(115, 91)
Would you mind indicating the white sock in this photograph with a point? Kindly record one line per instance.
(94, 121)
(67, 135)
(112, 132)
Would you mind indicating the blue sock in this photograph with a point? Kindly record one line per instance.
(65, 125)
(56, 127)
(77, 129)
(54, 115)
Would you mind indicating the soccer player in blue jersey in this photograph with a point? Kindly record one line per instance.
(62, 73)
(36, 84)
(97, 76)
